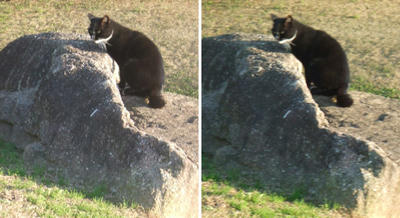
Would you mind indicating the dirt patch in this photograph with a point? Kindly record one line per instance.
(372, 117)
(177, 122)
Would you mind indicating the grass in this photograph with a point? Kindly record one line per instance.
(172, 25)
(24, 194)
(227, 194)
(365, 29)
(364, 85)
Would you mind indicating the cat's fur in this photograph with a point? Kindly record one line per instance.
(139, 60)
(323, 58)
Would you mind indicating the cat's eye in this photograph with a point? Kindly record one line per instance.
(283, 32)
(98, 31)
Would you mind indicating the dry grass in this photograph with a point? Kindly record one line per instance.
(368, 31)
(172, 25)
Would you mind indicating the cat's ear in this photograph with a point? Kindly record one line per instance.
(90, 16)
(273, 16)
(288, 20)
(105, 20)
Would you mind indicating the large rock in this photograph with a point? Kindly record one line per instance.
(60, 103)
(259, 117)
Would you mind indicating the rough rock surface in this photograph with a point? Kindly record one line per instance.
(59, 102)
(259, 116)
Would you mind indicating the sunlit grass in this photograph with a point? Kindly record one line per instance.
(172, 25)
(362, 27)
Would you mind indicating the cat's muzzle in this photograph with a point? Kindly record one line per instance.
(289, 40)
(105, 40)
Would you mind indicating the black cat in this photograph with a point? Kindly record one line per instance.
(139, 59)
(323, 58)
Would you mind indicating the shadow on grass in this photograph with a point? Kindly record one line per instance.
(249, 197)
(232, 177)
(11, 164)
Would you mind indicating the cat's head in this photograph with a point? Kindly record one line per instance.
(100, 27)
(283, 28)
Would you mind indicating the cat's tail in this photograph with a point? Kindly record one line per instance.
(156, 101)
(343, 99)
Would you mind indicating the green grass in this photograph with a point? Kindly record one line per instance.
(172, 25)
(97, 192)
(226, 194)
(253, 203)
(369, 38)
(10, 160)
(25, 194)
(364, 85)
(180, 84)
